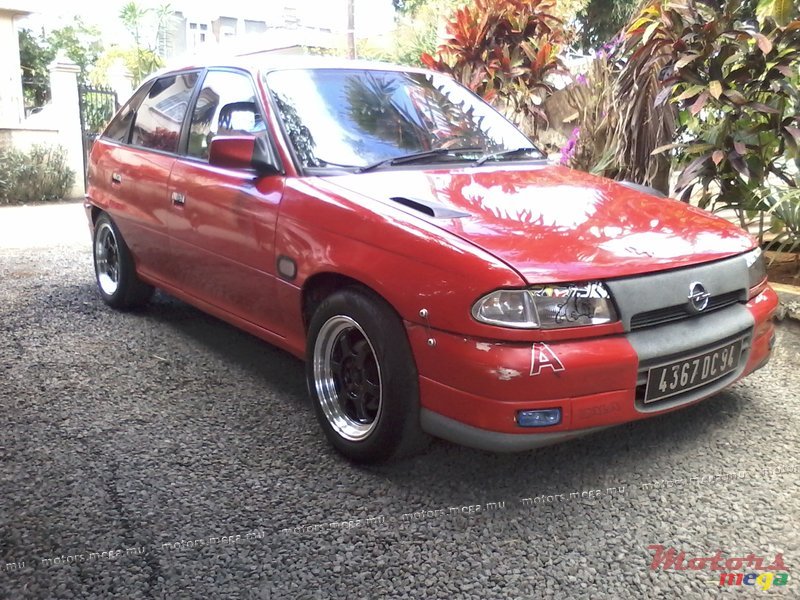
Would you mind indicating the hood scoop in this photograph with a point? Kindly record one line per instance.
(430, 208)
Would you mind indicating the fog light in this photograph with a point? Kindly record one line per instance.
(539, 418)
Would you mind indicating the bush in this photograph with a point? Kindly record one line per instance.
(505, 51)
(37, 175)
(785, 212)
(734, 81)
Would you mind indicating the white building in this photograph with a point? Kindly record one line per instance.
(202, 25)
(11, 106)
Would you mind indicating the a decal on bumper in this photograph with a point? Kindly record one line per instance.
(543, 357)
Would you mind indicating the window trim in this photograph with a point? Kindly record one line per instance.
(150, 84)
(143, 89)
(183, 144)
(304, 171)
(296, 162)
(183, 139)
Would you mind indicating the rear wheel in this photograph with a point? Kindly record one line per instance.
(117, 281)
(362, 377)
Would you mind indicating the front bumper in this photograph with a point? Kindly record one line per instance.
(471, 390)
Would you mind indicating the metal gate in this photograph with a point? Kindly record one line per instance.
(97, 106)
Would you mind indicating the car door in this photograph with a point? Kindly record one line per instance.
(134, 168)
(222, 220)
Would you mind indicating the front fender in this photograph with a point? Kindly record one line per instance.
(413, 265)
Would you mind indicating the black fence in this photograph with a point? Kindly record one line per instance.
(97, 106)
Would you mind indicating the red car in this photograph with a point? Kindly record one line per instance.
(437, 274)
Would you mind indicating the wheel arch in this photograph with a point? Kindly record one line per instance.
(320, 285)
(94, 213)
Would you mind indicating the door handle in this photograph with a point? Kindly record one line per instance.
(178, 199)
(116, 178)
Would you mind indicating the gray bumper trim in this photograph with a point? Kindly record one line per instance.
(653, 291)
(675, 339)
(667, 343)
(493, 441)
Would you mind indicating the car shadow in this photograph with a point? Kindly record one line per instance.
(261, 360)
(459, 471)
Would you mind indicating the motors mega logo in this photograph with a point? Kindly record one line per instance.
(763, 577)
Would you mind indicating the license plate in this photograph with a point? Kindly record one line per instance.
(684, 375)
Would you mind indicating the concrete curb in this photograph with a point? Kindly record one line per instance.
(789, 308)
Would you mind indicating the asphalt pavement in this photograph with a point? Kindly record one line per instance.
(165, 454)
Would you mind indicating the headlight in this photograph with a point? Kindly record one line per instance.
(756, 268)
(547, 307)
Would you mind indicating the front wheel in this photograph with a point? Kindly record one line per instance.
(362, 377)
(119, 285)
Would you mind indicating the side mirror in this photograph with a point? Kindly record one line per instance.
(243, 152)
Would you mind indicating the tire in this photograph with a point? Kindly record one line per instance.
(115, 272)
(362, 378)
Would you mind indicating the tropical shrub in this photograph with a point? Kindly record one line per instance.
(785, 211)
(734, 80)
(36, 175)
(600, 20)
(619, 124)
(591, 146)
(504, 50)
(417, 30)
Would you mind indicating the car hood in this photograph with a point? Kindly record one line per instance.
(553, 224)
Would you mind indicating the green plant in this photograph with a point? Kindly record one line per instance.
(785, 211)
(80, 42)
(619, 126)
(408, 6)
(601, 20)
(734, 81)
(34, 57)
(592, 145)
(138, 61)
(97, 111)
(416, 32)
(149, 29)
(504, 50)
(37, 175)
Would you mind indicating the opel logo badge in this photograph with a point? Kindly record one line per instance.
(698, 297)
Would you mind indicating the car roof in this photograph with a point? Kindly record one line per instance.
(267, 62)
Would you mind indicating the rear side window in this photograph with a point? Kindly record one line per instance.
(159, 119)
(226, 105)
(119, 129)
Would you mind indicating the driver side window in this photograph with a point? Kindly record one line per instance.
(226, 105)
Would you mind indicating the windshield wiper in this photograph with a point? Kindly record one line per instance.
(509, 154)
(328, 163)
(417, 156)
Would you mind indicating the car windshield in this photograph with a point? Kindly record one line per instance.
(365, 118)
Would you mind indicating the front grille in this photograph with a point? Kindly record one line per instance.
(669, 314)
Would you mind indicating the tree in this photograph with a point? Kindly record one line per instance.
(417, 32)
(80, 42)
(150, 31)
(164, 15)
(133, 17)
(409, 6)
(35, 55)
(601, 20)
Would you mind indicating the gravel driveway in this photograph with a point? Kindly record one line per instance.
(164, 454)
